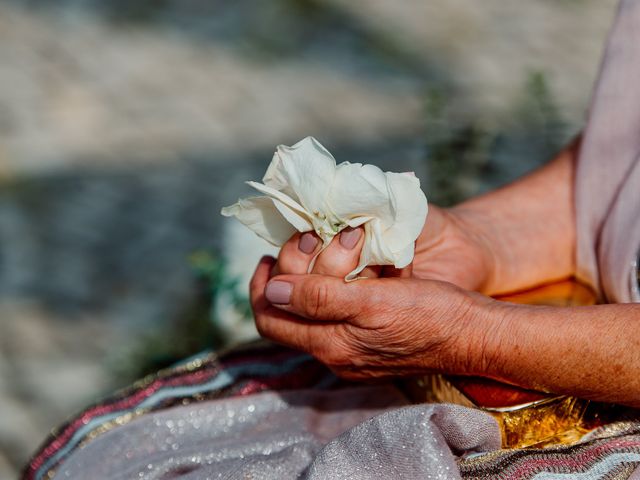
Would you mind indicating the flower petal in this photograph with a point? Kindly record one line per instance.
(305, 191)
(360, 190)
(389, 239)
(380, 252)
(357, 221)
(262, 217)
(404, 257)
(299, 221)
(285, 199)
(276, 179)
(410, 208)
(374, 251)
(309, 170)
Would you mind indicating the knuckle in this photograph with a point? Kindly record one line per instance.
(286, 264)
(329, 263)
(262, 323)
(317, 300)
(336, 262)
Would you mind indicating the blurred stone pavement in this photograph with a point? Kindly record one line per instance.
(125, 126)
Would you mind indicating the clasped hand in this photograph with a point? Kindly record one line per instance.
(395, 322)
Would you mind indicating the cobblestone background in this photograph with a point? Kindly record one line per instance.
(125, 126)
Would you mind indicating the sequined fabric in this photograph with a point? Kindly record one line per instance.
(245, 370)
(267, 435)
(423, 441)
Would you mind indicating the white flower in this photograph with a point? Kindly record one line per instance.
(305, 190)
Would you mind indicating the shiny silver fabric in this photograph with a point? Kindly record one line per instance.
(356, 433)
(413, 442)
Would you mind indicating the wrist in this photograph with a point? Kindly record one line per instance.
(482, 336)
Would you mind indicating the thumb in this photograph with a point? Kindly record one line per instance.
(318, 297)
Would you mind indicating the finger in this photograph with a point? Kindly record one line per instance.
(342, 255)
(259, 279)
(293, 331)
(321, 297)
(296, 255)
(325, 341)
(281, 326)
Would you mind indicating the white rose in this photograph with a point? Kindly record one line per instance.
(305, 190)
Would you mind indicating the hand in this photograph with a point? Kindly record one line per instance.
(395, 329)
(453, 249)
(374, 327)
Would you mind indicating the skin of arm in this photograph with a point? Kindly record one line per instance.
(589, 352)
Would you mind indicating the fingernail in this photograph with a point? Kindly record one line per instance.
(349, 237)
(308, 242)
(278, 292)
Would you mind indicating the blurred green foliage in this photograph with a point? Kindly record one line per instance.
(212, 269)
(466, 156)
(455, 152)
(197, 329)
(539, 115)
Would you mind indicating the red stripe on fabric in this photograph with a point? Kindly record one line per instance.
(128, 402)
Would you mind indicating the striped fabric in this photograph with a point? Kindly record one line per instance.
(253, 368)
(615, 455)
(613, 452)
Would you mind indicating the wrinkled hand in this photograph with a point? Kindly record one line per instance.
(370, 328)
